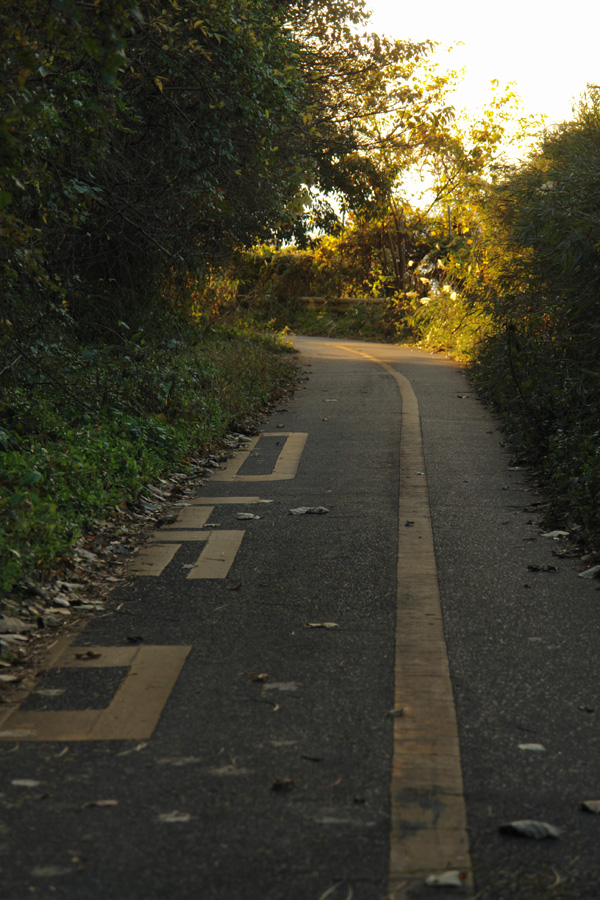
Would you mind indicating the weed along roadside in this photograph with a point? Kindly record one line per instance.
(95, 449)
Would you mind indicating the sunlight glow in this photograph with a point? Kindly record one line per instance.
(550, 51)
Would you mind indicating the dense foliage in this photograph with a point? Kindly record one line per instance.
(147, 150)
(503, 269)
(538, 264)
(142, 141)
(92, 426)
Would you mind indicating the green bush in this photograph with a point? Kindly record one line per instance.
(83, 430)
(540, 362)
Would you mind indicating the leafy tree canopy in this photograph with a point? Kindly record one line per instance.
(144, 138)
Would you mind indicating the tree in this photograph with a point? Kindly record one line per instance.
(145, 140)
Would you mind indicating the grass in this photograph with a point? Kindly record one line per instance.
(84, 428)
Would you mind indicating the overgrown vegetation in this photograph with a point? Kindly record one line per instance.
(503, 271)
(141, 144)
(539, 270)
(84, 428)
(165, 168)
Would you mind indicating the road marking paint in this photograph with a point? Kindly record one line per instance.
(190, 517)
(153, 560)
(164, 535)
(234, 501)
(132, 714)
(429, 824)
(214, 561)
(284, 469)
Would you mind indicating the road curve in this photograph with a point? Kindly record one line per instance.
(335, 705)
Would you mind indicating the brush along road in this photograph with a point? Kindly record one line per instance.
(333, 675)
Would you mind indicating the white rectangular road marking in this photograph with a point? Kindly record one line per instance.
(220, 549)
(218, 555)
(190, 517)
(214, 561)
(164, 536)
(152, 560)
(285, 468)
(230, 501)
(132, 714)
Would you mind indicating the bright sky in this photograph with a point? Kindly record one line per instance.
(549, 49)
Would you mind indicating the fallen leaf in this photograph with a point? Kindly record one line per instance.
(594, 572)
(174, 816)
(89, 654)
(100, 803)
(50, 871)
(396, 713)
(281, 686)
(85, 554)
(454, 878)
(178, 761)
(535, 747)
(25, 782)
(592, 806)
(321, 625)
(305, 510)
(333, 890)
(12, 625)
(530, 828)
(555, 534)
(262, 677)
(246, 515)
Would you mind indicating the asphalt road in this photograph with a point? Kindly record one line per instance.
(306, 707)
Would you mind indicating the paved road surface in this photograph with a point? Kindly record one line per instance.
(329, 706)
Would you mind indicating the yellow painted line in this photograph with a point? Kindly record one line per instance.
(134, 711)
(233, 501)
(190, 517)
(284, 469)
(152, 560)
(163, 536)
(429, 824)
(218, 556)
(214, 561)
